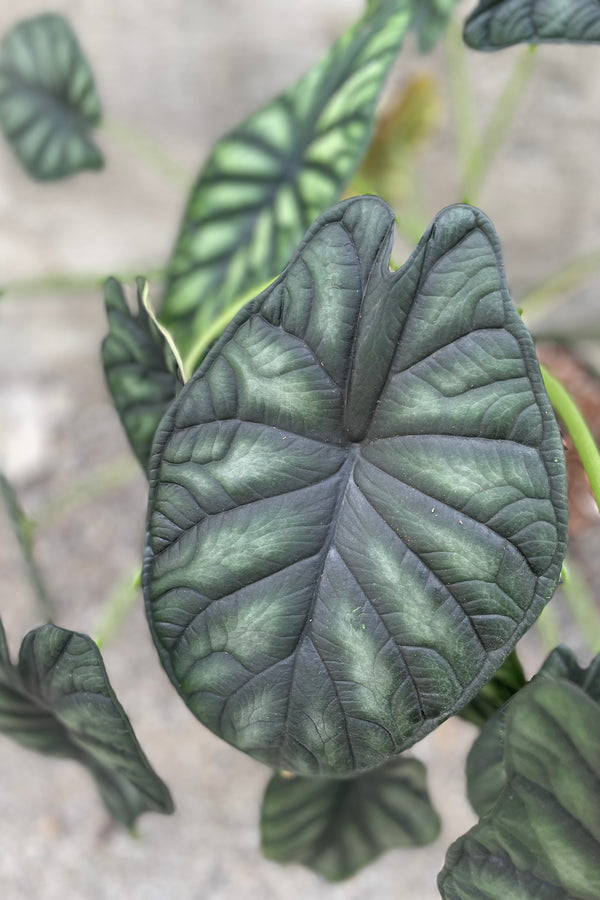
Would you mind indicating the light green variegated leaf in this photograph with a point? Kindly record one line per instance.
(48, 100)
(58, 700)
(430, 18)
(486, 774)
(540, 840)
(506, 681)
(266, 181)
(337, 826)
(358, 502)
(140, 368)
(500, 23)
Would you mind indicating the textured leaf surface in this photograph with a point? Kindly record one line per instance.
(266, 181)
(506, 681)
(140, 369)
(338, 826)
(541, 839)
(430, 18)
(358, 502)
(48, 101)
(500, 23)
(486, 775)
(58, 700)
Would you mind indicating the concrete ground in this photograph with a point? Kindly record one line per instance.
(181, 73)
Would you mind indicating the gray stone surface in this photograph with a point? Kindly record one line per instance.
(182, 72)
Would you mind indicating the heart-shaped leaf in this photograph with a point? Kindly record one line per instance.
(48, 100)
(499, 23)
(358, 503)
(541, 838)
(140, 368)
(337, 826)
(268, 179)
(506, 681)
(430, 18)
(58, 700)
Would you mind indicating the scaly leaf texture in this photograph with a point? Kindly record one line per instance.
(58, 700)
(337, 826)
(500, 23)
(48, 100)
(267, 180)
(541, 839)
(358, 503)
(140, 370)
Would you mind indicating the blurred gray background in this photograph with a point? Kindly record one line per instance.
(181, 72)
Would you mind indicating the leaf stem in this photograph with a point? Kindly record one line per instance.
(117, 608)
(72, 282)
(24, 531)
(148, 151)
(462, 99)
(582, 606)
(568, 411)
(561, 282)
(548, 628)
(106, 477)
(485, 151)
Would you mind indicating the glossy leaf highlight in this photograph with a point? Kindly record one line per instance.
(58, 700)
(500, 23)
(337, 826)
(140, 368)
(358, 502)
(48, 100)
(268, 179)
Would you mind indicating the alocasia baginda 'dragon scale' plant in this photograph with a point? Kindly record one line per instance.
(357, 503)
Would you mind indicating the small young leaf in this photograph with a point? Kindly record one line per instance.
(266, 181)
(336, 827)
(58, 700)
(140, 368)
(541, 838)
(430, 18)
(500, 23)
(358, 502)
(506, 681)
(48, 100)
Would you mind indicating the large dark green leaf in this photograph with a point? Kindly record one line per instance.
(541, 839)
(48, 101)
(58, 700)
(266, 181)
(358, 503)
(486, 775)
(506, 681)
(139, 366)
(430, 18)
(499, 23)
(337, 826)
